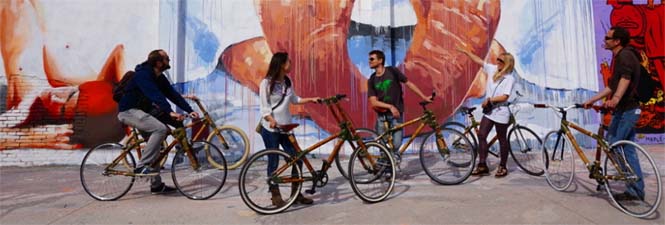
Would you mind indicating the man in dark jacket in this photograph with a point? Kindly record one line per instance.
(144, 107)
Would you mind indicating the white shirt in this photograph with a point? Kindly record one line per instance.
(281, 114)
(503, 86)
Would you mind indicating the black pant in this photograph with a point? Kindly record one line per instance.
(501, 132)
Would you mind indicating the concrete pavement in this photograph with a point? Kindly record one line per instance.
(53, 195)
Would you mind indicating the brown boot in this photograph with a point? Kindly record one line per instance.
(276, 197)
(301, 199)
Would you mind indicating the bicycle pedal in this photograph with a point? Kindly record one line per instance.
(310, 191)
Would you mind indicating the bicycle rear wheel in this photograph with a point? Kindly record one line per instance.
(525, 148)
(471, 135)
(559, 160)
(255, 182)
(206, 180)
(451, 164)
(641, 179)
(236, 149)
(345, 151)
(372, 179)
(106, 183)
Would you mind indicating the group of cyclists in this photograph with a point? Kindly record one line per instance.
(145, 106)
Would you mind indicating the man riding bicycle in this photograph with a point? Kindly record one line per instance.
(144, 107)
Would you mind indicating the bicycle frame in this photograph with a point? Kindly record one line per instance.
(207, 122)
(475, 126)
(134, 143)
(347, 133)
(428, 119)
(594, 168)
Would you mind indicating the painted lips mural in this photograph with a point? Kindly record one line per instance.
(314, 34)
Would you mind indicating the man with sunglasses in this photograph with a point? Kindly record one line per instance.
(622, 96)
(385, 94)
(144, 107)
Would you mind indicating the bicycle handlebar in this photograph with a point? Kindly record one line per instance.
(424, 103)
(331, 99)
(597, 108)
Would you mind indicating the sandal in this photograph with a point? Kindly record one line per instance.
(481, 170)
(501, 172)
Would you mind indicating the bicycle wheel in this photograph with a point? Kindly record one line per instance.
(642, 179)
(559, 161)
(345, 151)
(372, 180)
(254, 182)
(106, 183)
(471, 135)
(206, 180)
(525, 148)
(236, 148)
(451, 164)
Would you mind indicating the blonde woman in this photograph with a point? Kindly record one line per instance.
(500, 80)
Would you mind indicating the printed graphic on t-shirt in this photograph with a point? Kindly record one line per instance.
(384, 86)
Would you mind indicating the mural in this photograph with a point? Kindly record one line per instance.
(645, 22)
(61, 59)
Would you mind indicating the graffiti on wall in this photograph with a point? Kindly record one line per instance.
(59, 69)
(645, 21)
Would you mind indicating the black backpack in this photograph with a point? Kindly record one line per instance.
(644, 87)
(119, 88)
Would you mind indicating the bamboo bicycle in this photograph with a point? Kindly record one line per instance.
(616, 174)
(198, 168)
(525, 145)
(446, 164)
(230, 139)
(371, 167)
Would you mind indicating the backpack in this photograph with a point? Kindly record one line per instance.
(119, 88)
(644, 86)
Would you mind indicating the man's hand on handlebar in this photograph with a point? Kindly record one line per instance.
(194, 115)
(177, 116)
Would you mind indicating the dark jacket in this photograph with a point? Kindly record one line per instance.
(145, 87)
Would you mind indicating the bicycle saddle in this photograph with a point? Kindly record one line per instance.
(467, 110)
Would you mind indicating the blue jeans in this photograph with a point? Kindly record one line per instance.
(622, 127)
(272, 140)
(397, 135)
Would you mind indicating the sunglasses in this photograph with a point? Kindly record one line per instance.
(372, 59)
(499, 60)
(609, 38)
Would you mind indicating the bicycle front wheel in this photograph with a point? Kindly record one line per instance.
(559, 161)
(204, 181)
(449, 164)
(100, 179)
(257, 186)
(345, 151)
(639, 177)
(525, 148)
(372, 172)
(234, 145)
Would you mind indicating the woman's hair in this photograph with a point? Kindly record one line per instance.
(508, 67)
(276, 63)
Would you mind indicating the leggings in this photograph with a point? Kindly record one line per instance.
(501, 132)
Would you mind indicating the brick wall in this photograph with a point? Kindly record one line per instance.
(39, 157)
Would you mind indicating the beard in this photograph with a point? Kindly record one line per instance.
(166, 67)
